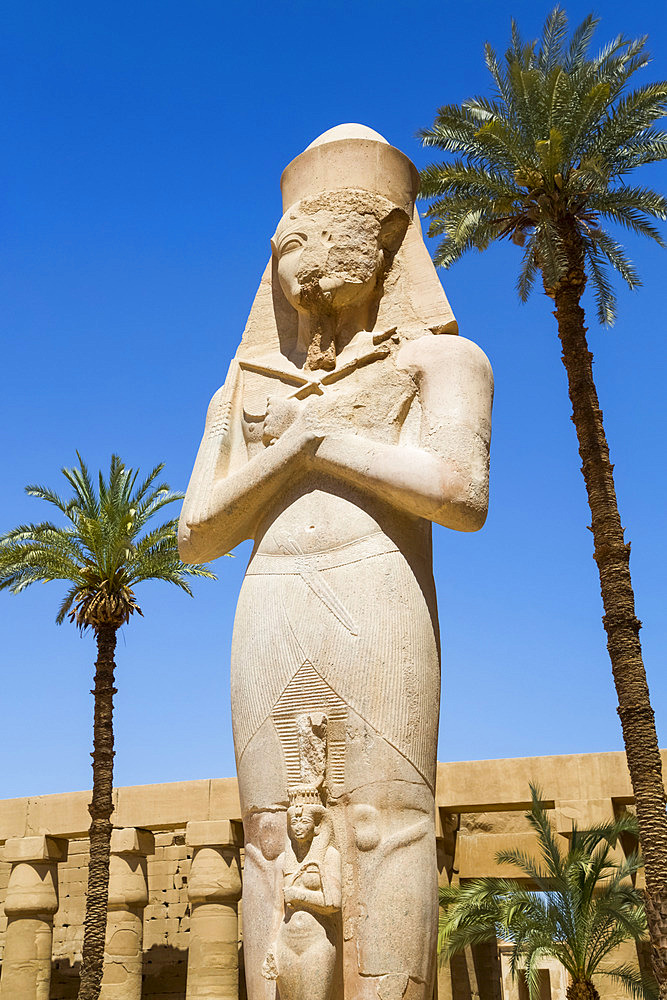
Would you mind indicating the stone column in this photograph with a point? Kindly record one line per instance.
(214, 889)
(446, 827)
(128, 895)
(32, 899)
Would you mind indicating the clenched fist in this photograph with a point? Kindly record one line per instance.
(280, 415)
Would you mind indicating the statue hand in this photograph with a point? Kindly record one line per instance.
(281, 413)
(291, 895)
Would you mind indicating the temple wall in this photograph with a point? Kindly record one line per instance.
(480, 811)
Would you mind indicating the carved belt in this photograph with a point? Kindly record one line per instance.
(296, 562)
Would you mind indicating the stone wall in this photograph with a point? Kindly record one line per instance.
(166, 918)
(480, 811)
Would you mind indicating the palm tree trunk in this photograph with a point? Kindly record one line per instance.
(100, 810)
(582, 989)
(612, 556)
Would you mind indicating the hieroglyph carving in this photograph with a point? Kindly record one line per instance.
(352, 417)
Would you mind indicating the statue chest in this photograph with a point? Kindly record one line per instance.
(372, 397)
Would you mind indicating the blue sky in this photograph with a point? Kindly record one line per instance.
(139, 188)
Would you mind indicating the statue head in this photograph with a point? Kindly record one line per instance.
(305, 814)
(332, 249)
(347, 203)
(303, 822)
(348, 252)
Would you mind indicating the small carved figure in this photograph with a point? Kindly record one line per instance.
(304, 958)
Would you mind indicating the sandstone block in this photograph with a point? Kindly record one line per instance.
(36, 848)
(132, 840)
(212, 833)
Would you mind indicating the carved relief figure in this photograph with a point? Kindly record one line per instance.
(351, 418)
(305, 959)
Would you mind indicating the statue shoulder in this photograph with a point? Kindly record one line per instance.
(444, 355)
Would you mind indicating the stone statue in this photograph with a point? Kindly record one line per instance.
(306, 957)
(352, 417)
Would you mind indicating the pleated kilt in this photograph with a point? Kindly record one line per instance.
(357, 616)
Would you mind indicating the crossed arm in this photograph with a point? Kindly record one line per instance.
(444, 478)
(325, 900)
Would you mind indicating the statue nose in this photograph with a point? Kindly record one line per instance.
(314, 258)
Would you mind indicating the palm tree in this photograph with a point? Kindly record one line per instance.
(103, 553)
(583, 906)
(544, 161)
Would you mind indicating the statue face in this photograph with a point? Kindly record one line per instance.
(327, 260)
(301, 822)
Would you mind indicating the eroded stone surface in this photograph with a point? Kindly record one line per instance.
(128, 895)
(347, 424)
(31, 901)
(214, 889)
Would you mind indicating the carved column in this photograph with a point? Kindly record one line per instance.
(214, 889)
(32, 899)
(128, 895)
(446, 828)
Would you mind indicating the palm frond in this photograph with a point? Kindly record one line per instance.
(545, 153)
(605, 299)
(580, 42)
(584, 908)
(101, 552)
(553, 37)
(640, 987)
(529, 270)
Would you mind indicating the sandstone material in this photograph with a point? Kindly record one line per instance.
(214, 889)
(476, 853)
(498, 787)
(128, 895)
(30, 902)
(132, 840)
(212, 833)
(162, 805)
(223, 800)
(461, 787)
(351, 418)
(584, 813)
(474, 786)
(35, 849)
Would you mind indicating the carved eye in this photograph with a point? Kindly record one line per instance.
(290, 243)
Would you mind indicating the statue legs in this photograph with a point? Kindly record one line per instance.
(305, 958)
(390, 898)
(262, 786)
(384, 826)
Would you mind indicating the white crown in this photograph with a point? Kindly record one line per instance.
(351, 156)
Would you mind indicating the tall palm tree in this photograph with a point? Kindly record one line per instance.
(582, 907)
(544, 162)
(103, 552)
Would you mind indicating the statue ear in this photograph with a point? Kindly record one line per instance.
(392, 230)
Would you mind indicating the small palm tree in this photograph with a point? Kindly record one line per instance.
(582, 908)
(103, 552)
(545, 161)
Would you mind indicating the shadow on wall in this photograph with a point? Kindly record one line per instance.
(65, 979)
(474, 975)
(164, 975)
(165, 972)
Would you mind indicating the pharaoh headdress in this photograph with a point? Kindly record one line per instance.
(355, 157)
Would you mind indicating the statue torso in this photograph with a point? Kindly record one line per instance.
(367, 395)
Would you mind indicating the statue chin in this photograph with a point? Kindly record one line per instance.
(345, 427)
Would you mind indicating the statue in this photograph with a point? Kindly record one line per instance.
(352, 416)
(307, 955)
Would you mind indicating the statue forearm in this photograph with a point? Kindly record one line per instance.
(414, 479)
(228, 510)
(312, 900)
